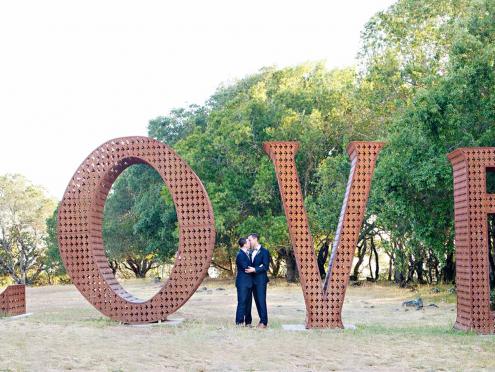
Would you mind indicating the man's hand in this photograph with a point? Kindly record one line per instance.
(250, 270)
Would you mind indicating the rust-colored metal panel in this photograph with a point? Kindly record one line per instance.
(324, 300)
(472, 204)
(80, 220)
(13, 300)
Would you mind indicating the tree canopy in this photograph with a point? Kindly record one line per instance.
(24, 209)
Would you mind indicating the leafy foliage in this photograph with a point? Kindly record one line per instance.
(24, 209)
(140, 223)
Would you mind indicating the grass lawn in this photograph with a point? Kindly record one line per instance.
(66, 333)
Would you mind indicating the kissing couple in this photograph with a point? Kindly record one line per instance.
(252, 262)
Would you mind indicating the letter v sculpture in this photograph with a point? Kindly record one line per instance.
(324, 299)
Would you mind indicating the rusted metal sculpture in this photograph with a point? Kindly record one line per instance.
(472, 203)
(13, 300)
(324, 300)
(80, 220)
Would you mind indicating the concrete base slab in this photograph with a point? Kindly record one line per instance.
(302, 327)
(294, 327)
(17, 316)
(168, 322)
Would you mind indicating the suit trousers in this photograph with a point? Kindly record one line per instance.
(259, 294)
(244, 303)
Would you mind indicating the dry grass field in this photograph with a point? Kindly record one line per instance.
(65, 332)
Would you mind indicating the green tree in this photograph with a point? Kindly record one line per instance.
(140, 223)
(54, 266)
(24, 209)
(305, 103)
(413, 192)
(404, 48)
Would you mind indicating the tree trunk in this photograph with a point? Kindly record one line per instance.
(292, 274)
(411, 269)
(390, 266)
(400, 263)
(448, 271)
(139, 267)
(399, 278)
(292, 271)
(361, 254)
(377, 265)
(114, 265)
(371, 277)
(275, 265)
(419, 271)
(429, 265)
(322, 259)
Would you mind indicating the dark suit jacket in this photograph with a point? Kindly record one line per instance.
(242, 262)
(261, 263)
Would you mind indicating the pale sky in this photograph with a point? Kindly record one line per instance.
(76, 74)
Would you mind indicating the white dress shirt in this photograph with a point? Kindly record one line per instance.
(255, 251)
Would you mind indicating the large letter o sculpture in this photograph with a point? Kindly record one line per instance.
(80, 220)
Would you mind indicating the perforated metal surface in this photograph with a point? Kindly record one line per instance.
(13, 300)
(80, 220)
(471, 206)
(324, 300)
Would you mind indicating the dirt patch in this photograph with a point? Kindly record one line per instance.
(66, 332)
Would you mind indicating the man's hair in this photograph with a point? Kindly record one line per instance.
(254, 235)
(242, 241)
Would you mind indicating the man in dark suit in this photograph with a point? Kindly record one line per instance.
(244, 284)
(260, 262)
